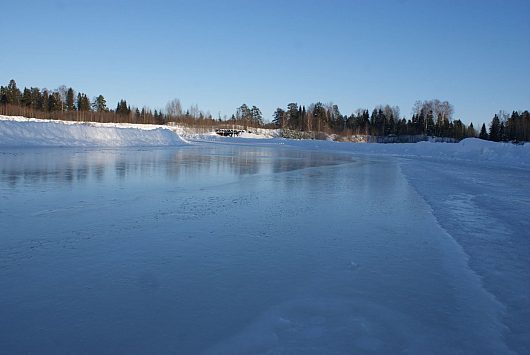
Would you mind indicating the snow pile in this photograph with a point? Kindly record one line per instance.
(470, 149)
(261, 133)
(473, 148)
(199, 133)
(20, 131)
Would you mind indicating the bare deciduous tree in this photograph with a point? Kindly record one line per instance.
(174, 108)
(441, 110)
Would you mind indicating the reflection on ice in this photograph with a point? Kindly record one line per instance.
(67, 165)
(229, 249)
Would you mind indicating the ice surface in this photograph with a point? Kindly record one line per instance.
(240, 245)
(237, 248)
(484, 209)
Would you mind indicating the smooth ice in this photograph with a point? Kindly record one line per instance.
(240, 249)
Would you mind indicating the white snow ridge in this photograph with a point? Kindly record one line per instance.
(20, 131)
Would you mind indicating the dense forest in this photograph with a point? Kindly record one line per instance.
(430, 117)
(507, 128)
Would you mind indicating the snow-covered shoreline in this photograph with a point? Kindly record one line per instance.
(467, 150)
(30, 132)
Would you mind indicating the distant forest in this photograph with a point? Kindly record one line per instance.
(430, 117)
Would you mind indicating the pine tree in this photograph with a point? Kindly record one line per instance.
(495, 127)
(293, 118)
(523, 126)
(100, 104)
(510, 127)
(517, 126)
(44, 101)
(3, 95)
(256, 116)
(36, 98)
(83, 103)
(279, 118)
(13, 94)
(243, 113)
(319, 113)
(303, 118)
(54, 102)
(471, 130)
(78, 101)
(26, 98)
(502, 133)
(456, 130)
(483, 133)
(122, 108)
(70, 100)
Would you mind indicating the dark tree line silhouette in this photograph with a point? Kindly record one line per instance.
(508, 128)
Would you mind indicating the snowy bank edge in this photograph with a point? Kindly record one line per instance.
(31, 132)
(467, 150)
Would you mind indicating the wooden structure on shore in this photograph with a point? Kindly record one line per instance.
(228, 132)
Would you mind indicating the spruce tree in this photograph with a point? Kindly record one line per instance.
(26, 98)
(70, 100)
(83, 103)
(502, 133)
(13, 93)
(44, 101)
(483, 133)
(54, 102)
(36, 99)
(122, 108)
(495, 127)
(3, 95)
(471, 130)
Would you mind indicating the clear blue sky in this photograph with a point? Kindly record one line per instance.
(220, 54)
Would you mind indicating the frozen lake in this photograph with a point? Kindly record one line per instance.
(240, 249)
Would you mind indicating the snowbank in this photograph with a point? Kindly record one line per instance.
(470, 149)
(20, 131)
(208, 134)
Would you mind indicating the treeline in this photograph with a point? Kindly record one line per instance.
(66, 104)
(430, 118)
(505, 128)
